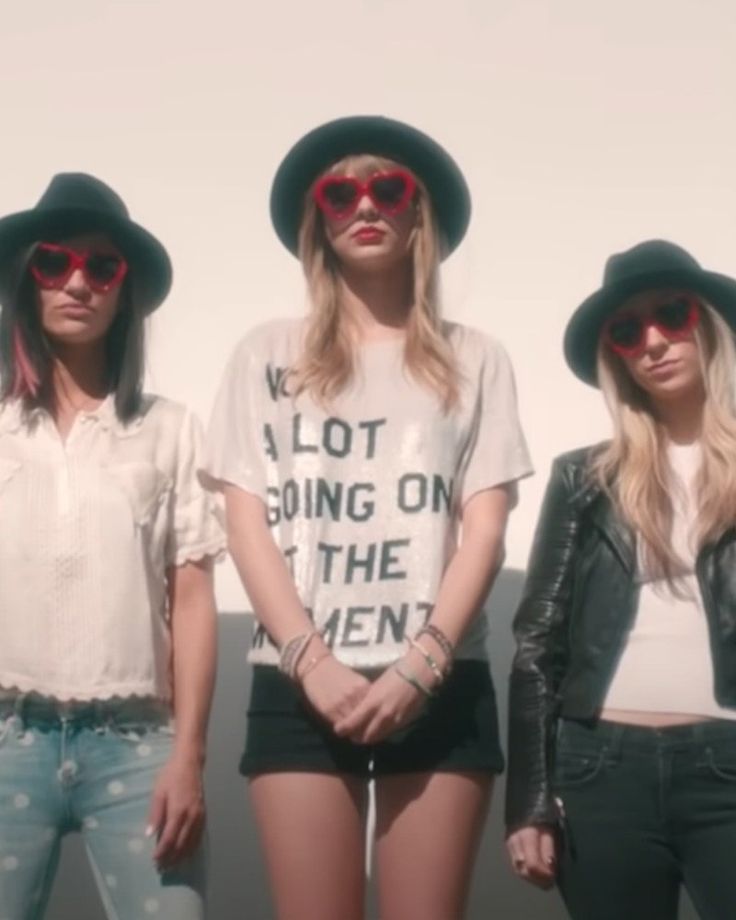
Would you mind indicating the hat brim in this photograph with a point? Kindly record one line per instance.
(150, 265)
(586, 324)
(329, 143)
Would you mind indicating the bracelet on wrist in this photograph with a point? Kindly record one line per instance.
(435, 633)
(292, 652)
(313, 663)
(439, 672)
(412, 679)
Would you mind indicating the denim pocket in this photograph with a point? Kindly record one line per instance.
(137, 731)
(574, 768)
(721, 761)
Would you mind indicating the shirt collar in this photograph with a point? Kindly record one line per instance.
(13, 418)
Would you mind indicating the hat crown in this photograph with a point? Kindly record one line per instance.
(80, 191)
(652, 257)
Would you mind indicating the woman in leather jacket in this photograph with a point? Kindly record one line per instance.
(622, 727)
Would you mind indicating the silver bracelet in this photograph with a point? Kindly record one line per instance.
(413, 680)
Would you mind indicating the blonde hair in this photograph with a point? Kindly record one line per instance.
(327, 363)
(633, 468)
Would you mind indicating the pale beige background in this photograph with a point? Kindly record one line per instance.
(582, 126)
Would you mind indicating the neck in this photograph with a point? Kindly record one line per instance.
(79, 376)
(682, 419)
(377, 303)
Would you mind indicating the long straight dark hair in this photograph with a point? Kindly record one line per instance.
(26, 355)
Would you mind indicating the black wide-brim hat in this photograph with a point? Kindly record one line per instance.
(648, 266)
(76, 203)
(369, 134)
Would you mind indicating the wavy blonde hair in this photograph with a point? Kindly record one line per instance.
(327, 364)
(633, 468)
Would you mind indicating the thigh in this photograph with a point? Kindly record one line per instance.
(705, 796)
(616, 859)
(312, 827)
(118, 770)
(31, 817)
(428, 828)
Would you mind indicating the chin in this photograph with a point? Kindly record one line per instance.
(673, 390)
(372, 259)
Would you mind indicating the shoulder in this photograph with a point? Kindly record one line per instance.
(165, 417)
(475, 350)
(11, 416)
(573, 468)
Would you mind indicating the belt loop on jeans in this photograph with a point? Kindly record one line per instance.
(19, 713)
(616, 732)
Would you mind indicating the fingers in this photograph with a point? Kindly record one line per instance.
(533, 858)
(179, 836)
(350, 725)
(548, 848)
(156, 814)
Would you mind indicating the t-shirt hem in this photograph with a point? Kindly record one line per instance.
(378, 663)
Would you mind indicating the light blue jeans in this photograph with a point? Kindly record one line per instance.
(87, 768)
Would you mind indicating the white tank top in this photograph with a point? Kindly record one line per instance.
(666, 665)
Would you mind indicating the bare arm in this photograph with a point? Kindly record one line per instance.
(473, 568)
(332, 688)
(392, 701)
(177, 806)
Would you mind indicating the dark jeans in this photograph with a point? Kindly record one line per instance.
(646, 811)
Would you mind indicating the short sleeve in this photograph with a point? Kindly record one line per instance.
(196, 529)
(497, 452)
(235, 446)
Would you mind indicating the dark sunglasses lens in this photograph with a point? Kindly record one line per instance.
(388, 190)
(50, 263)
(103, 267)
(340, 195)
(673, 316)
(625, 332)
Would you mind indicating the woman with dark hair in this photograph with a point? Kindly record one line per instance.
(107, 621)
(352, 446)
(622, 741)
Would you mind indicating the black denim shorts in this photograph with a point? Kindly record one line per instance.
(457, 731)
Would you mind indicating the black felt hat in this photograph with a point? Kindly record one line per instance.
(647, 266)
(371, 134)
(79, 203)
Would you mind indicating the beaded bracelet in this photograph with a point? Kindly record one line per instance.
(434, 632)
(432, 664)
(413, 680)
(292, 651)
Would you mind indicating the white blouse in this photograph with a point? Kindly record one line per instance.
(90, 526)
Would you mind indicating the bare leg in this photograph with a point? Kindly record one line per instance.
(428, 828)
(312, 828)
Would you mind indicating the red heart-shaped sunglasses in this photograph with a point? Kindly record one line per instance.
(625, 333)
(52, 266)
(339, 196)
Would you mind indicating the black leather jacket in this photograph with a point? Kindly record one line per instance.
(578, 604)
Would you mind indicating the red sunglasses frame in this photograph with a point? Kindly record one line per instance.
(647, 320)
(77, 260)
(362, 189)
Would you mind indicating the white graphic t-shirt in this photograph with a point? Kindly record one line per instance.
(363, 497)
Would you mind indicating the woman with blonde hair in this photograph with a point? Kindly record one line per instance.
(622, 781)
(351, 446)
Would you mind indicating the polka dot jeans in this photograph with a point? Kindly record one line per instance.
(91, 771)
